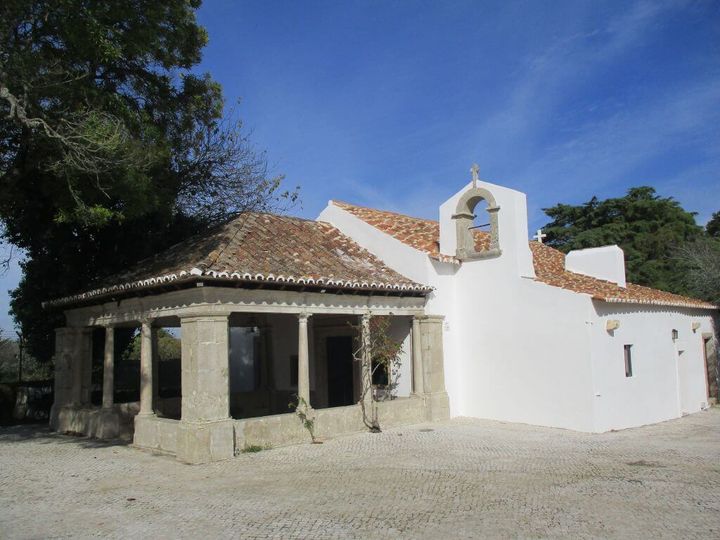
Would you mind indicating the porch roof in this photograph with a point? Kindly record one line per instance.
(256, 249)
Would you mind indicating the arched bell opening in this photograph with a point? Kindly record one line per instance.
(476, 221)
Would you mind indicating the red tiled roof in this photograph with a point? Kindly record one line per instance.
(549, 263)
(258, 247)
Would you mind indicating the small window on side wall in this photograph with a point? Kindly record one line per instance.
(628, 361)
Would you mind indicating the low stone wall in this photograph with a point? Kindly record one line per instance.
(163, 434)
(286, 429)
(156, 434)
(116, 422)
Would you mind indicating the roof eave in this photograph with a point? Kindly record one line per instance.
(187, 279)
(658, 303)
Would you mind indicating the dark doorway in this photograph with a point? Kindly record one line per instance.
(340, 370)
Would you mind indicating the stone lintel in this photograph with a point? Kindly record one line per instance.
(222, 301)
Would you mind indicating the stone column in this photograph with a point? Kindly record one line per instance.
(155, 368)
(146, 369)
(205, 432)
(63, 373)
(366, 364)
(303, 359)
(73, 358)
(431, 339)
(417, 371)
(107, 425)
(82, 365)
(109, 369)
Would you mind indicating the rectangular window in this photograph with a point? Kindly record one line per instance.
(628, 360)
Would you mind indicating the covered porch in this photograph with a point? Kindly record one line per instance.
(245, 355)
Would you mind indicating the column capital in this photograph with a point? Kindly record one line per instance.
(304, 316)
(429, 318)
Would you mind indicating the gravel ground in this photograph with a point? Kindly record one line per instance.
(463, 478)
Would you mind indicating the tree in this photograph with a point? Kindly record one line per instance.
(702, 260)
(648, 228)
(379, 358)
(168, 347)
(713, 226)
(110, 147)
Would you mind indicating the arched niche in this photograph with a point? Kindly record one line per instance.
(464, 216)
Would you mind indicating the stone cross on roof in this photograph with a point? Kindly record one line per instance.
(475, 171)
(539, 236)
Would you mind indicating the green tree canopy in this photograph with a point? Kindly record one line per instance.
(110, 147)
(168, 347)
(713, 226)
(648, 228)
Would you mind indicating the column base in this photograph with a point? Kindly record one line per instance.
(70, 418)
(54, 420)
(105, 424)
(437, 406)
(203, 442)
(155, 433)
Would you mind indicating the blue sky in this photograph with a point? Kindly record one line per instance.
(388, 103)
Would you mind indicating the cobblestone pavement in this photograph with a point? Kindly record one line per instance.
(463, 478)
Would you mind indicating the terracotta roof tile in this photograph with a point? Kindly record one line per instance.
(549, 263)
(259, 247)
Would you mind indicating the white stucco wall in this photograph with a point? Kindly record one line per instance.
(520, 349)
(665, 383)
(607, 262)
(395, 254)
(524, 351)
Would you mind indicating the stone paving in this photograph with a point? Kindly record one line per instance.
(464, 478)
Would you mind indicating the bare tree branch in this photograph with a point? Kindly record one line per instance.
(93, 142)
(703, 260)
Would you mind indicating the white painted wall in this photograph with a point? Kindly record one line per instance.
(520, 349)
(524, 349)
(607, 262)
(664, 384)
(394, 253)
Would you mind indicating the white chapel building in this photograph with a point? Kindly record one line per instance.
(267, 307)
(535, 336)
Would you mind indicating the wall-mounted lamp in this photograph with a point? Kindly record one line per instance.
(612, 324)
(695, 326)
(674, 334)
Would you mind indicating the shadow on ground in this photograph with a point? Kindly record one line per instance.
(41, 433)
